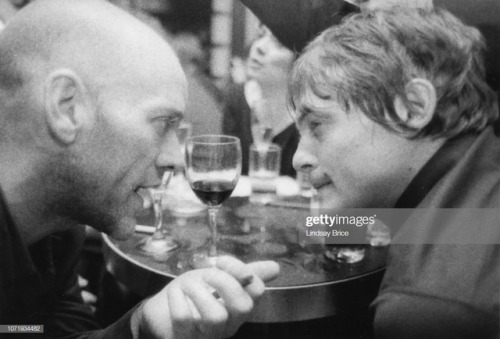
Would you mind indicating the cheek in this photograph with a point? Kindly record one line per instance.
(127, 154)
(140, 154)
(346, 156)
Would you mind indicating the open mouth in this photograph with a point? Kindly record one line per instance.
(147, 186)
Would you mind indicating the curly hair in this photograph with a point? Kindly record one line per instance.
(369, 59)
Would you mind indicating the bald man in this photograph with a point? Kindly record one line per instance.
(90, 99)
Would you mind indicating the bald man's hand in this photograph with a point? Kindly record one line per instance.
(206, 303)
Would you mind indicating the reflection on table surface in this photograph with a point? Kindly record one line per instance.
(256, 232)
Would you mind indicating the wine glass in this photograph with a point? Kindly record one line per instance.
(162, 240)
(213, 167)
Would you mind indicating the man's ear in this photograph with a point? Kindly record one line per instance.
(421, 96)
(65, 99)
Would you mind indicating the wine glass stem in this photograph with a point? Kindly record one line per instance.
(158, 217)
(212, 219)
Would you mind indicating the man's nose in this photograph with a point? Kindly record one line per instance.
(170, 158)
(304, 160)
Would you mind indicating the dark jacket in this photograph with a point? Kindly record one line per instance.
(38, 285)
(443, 274)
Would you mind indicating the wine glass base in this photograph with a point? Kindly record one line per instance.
(158, 246)
(348, 254)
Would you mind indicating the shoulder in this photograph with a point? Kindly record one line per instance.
(474, 182)
(444, 263)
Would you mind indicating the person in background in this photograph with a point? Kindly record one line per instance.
(394, 112)
(297, 22)
(257, 109)
(90, 99)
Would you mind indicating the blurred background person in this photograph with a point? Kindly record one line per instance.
(257, 108)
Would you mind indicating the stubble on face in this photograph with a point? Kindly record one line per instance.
(75, 195)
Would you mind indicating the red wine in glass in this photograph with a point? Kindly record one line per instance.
(213, 167)
(213, 193)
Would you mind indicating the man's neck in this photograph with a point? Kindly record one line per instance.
(437, 165)
(32, 225)
(25, 197)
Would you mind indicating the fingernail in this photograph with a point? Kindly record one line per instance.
(247, 280)
(244, 282)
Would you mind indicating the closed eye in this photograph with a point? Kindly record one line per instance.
(314, 127)
(165, 124)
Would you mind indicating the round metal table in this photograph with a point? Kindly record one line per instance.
(310, 285)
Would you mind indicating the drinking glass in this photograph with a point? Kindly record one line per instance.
(264, 169)
(162, 240)
(213, 167)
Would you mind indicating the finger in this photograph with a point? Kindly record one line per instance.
(181, 312)
(213, 314)
(230, 290)
(243, 274)
(238, 301)
(265, 270)
(235, 267)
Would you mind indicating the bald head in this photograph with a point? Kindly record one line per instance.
(90, 98)
(92, 38)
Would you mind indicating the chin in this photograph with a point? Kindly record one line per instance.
(122, 229)
(330, 200)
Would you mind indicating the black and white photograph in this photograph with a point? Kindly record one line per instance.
(241, 169)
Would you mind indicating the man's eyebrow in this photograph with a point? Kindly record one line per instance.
(166, 111)
(321, 112)
(175, 114)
